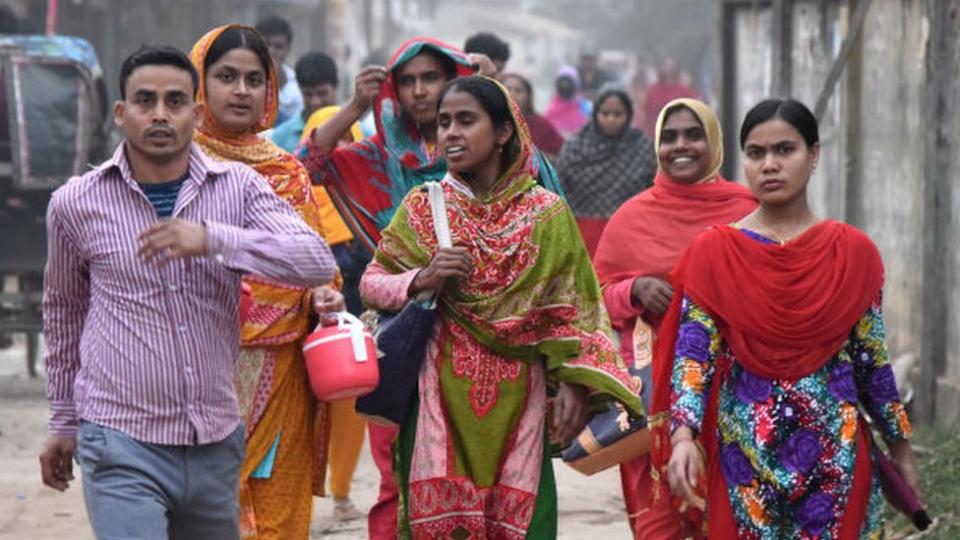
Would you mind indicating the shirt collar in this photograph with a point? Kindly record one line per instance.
(200, 165)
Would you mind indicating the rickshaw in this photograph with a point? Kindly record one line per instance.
(53, 125)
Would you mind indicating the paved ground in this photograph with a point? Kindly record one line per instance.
(589, 506)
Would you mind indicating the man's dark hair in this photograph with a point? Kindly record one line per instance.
(488, 44)
(275, 25)
(316, 68)
(156, 55)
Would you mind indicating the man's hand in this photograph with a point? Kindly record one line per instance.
(173, 239)
(56, 462)
(483, 65)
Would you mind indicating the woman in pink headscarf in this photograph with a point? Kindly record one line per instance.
(568, 110)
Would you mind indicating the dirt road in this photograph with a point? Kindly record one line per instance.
(590, 507)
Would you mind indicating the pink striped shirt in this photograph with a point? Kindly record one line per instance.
(151, 350)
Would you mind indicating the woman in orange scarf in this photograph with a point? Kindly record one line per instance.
(285, 460)
(773, 343)
(638, 249)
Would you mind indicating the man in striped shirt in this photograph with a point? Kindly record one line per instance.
(145, 257)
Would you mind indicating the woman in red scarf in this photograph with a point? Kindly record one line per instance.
(638, 249)
(772, 343)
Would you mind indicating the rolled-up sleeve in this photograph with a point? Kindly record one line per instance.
(384, 291)
(618, 297)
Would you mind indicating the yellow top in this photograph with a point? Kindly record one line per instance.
(335, 229)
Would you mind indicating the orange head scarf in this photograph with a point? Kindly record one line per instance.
(280, 312)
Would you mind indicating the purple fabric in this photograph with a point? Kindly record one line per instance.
(842, 384)
(753, 389)
(693, 342)
(883, 385)
(815, 513)
(736, 468)
(151, 350)
(801, 451)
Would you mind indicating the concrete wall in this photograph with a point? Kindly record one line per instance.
(890, 208)
(890, 158)
(816, 37)
(946, 147)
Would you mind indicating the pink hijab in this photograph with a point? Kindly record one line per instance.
(567, 115)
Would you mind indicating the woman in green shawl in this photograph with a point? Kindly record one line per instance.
(520, 309)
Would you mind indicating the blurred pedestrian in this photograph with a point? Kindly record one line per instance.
(489, 44)
(317, 80)
(545, 136)
(568, 110)
(667, 88)
(279, 37)
(604, 164)
(520, 307)
(638, 94)
(286, 427)
(592, 77)
(636, 254)
(141, 301)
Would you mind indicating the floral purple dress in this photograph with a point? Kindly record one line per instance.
(788, 447)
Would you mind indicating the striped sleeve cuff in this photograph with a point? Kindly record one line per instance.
(63, 419)
(223, 241)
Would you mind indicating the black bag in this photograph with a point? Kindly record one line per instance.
(402, 341)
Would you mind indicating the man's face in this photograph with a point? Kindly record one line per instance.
(159, 114)
(279, 47)
(588, 62)
(317, 97)
(419, 83)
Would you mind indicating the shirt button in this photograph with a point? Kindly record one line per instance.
(188, 369)
(182, 328)
(173, 287)
(218, 257)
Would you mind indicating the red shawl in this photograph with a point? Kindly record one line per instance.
(784, 311)
(646, 235)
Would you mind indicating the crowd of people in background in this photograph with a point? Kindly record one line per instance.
(598, 259)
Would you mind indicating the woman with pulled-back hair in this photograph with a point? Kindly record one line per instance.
(771, 347)
(519, 304)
